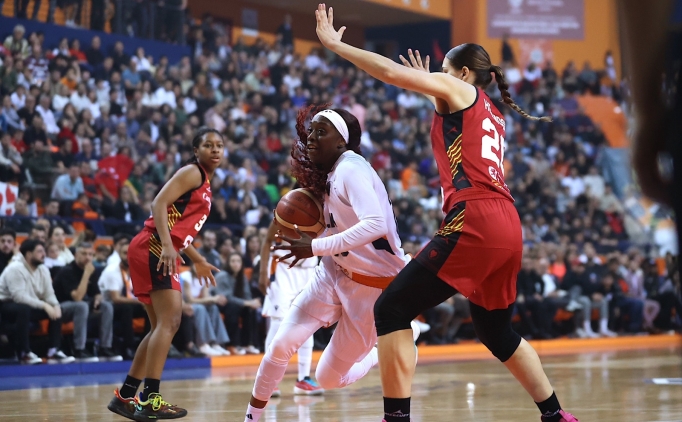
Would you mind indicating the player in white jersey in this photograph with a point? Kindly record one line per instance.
(280, 285)
(361, 254)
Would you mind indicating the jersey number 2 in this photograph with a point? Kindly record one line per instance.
(495, 142)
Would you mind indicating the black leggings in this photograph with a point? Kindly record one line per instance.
(417, 289)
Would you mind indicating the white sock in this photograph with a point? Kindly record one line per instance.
(604, 324)
(253, 414)
(51, 352)
(305, 358)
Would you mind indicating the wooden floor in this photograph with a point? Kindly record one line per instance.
(609, 386)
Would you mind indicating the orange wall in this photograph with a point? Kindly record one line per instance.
(469, 24)
(436, 8)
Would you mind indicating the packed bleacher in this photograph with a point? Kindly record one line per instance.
(89, 136)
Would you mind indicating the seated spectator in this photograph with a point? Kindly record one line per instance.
(8, 239)
(613, 285)
(211, 334)
(10, 160)
(52, 215)
(115, 285)
(535, 311)
(586, 292)
(209, 241)
(58, 237)
(20, 221)
(52, 258)
(80, 299)
(127, 210)
(26, 295)
(38, 232)
(68, 186)
(634, 278)
(102, 252)
(232, 284)
(662, 289)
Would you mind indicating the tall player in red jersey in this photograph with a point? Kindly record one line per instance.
(178, 213)
(478, 249)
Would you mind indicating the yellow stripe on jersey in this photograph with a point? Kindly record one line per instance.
(155, 246)
(173, 217)
(454, 153)
(454, 226)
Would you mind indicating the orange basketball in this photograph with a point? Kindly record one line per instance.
(299, 207)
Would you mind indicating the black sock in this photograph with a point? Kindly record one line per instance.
(129, 388)
(396, 410)
(550, 409)
(151, 386)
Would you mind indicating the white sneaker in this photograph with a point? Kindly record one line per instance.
(276, 393)
(30, 358)
(251, 350)
(209, 351)
(607, 333)
(423, 327)
(60, 357)
(218, 349)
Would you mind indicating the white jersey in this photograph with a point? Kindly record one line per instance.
(361, 234)
(286, 283)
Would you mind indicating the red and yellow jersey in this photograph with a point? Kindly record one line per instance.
(469, 149)
(187, 215)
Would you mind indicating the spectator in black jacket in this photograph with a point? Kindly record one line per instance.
(536, 313)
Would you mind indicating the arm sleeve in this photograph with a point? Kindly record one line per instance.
(359, 193)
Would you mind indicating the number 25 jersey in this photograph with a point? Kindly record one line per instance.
(469, 149)
(187, 215)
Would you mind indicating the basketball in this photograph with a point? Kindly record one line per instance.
(300, 207)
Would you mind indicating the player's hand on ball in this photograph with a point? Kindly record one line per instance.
(325, 27)
(416, 61)
(298, 248)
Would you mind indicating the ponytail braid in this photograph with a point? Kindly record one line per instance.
(503, 86)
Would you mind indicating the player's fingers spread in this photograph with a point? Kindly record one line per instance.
(330, 16)
(294, 263)
(427, 62)
(285, 257)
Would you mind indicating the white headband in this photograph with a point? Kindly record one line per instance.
(336, 119)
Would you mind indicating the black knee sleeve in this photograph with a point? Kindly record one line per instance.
(389, 316)
(414, 290)
(495, 331)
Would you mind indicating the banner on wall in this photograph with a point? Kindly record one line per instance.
(555, 19)
(8, 197)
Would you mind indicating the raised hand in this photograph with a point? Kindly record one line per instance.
(325, 27)
(416, 61)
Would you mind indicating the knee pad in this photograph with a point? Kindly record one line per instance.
(389, 316)
(495, 331)
(280, 352)
(327, 377)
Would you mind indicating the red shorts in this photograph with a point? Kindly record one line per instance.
(143, 257)
(478, 251)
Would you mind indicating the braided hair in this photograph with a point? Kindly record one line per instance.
(474, 57)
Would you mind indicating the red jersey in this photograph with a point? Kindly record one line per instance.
(187, 215)
(469, 149)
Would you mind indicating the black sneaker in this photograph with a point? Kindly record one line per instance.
(84, 356)
(155, 408)
(122, 406)
(108, 355)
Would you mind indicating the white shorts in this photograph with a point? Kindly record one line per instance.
(333, 297)
(287, 284)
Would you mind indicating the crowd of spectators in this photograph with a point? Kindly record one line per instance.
(90, 136)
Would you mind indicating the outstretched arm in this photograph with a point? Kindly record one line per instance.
(457, 93)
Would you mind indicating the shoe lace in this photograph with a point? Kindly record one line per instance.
(157, 402)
